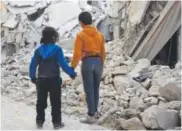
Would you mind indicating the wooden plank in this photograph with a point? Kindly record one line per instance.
(148, 27)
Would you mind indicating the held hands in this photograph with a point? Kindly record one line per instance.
(34, 81)
(74, 75)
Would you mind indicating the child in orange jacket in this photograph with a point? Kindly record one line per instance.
(90, 48)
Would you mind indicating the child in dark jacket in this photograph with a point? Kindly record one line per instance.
(49, 57)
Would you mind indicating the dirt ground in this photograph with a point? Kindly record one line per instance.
(19, 116)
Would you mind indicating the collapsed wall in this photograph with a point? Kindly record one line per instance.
(22, 23)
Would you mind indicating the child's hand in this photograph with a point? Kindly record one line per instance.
(34, 80)
(73, 77)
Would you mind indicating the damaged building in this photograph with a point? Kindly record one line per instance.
(152, 30)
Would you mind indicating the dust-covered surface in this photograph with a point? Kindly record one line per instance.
(19, 116)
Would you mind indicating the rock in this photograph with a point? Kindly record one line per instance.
(162, 77)
(132, 112)
(73, 96)
(142, 92)
(82, 97)
(162, 99)
(137, 103)
(4, 73)
(121, 70)
(24, 70)
(30, 91)
(131, 124)
(77, 82)
(149, 117)
(107, 80)
(154, 91)
(74, 110)
(146, 84)
(151, 100)
(121, 82)
(11, 23)
(174, 105)
(170, 92)
(167, 119)
(140, 65)
(70, 102)
(178, 65)
(162, 104)
(79, 89)
(108, 94)
(121, 112)
(128, 62)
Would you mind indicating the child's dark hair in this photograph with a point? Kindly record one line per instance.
(85, 17)
(49, 36)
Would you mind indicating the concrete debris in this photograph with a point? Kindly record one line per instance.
(170, 92)
(151, 100)
(131, 124)
(117, 90)
(63, 11)
(167, 119)
(11, 23)
(137, 10)
(21, 3)
(174, 105)
(149, 117)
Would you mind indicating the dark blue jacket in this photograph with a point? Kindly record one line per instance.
(49, 58)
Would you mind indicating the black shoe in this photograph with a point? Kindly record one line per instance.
(39, 125)
(58, 126)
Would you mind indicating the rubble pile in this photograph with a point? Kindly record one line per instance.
(133, 94)
(22, 22)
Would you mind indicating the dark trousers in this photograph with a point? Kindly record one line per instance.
(53, 86)
(91, 74)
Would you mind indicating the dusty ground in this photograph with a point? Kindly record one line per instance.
(19, 116)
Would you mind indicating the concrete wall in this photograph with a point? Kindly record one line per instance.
(137, 10)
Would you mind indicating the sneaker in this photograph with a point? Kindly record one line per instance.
(58, 126)
(88, 120)
(39, 125)
(97, 115)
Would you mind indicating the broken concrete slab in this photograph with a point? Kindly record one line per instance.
(167, 119)
(11, 23)
(170, 92)
(84, 6)
(4, 16)
(28, 9)
(149, 117)
(121, 70)
(60, 13)
(137, 11)
(68, 27)
(21, 3)
(131, 124)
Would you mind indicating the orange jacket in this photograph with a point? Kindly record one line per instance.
(88, 40)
